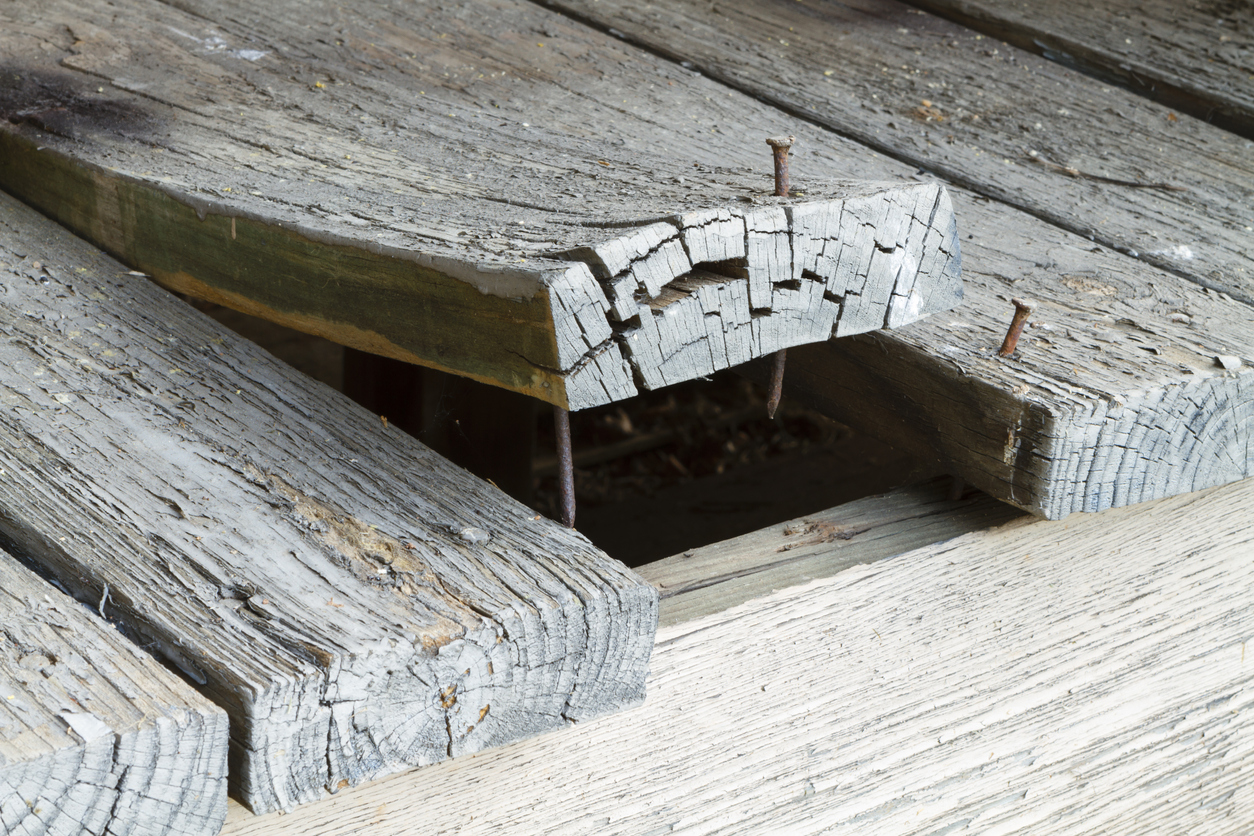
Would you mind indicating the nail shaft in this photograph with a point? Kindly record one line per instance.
(779, 148)
(565, 465)
(777, 382)
(1022, 309)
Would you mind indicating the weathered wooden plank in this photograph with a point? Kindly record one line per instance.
(356, 603)
(815, 546)
(95, 735)
(1194, 57)
(424, 181)
(1093, 159)
(1087, 676)
(1042, 429)
(1114, 397)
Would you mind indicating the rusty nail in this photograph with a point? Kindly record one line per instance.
(1022, 309)
(565, 465)
(779, 147)
(777, 382)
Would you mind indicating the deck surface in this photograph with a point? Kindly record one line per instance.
(904, 664)
(1194, 56)
(1114, 396)
(1040, 677)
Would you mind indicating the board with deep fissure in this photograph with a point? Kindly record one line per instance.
(1117, 393)
(356, 603)
(373, 200)
(1052, 440)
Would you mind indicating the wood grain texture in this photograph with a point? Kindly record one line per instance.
(1197, 57)
(1115, 395)
(425, 182)
(1020, 428)
(716, 577)
(990, 117)
(1077, 677)
(356, 603)
(96, 737)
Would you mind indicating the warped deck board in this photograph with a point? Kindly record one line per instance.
(95, 735)
(428, 182)
(356, 603)
(1195, 56)
(993, 118)
(1115, 395)
(1078, 677)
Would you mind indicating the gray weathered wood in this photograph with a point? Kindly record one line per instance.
(95, 736)
(1091, 158)
(1195, 57)
(357, 604)
(712, 578)
(425, 183)
(1078, 677)
(1042, 429)
(1114, 396)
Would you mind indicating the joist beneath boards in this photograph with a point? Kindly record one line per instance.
(355, 603)
(1082, 676)
(381, 204)
(95, 735)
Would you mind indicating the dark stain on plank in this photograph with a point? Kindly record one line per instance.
(66, 105)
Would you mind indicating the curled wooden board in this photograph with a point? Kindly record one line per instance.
(357, 604)
(373, 198)
(1115, 395)
(95, 735)
(1096, 160)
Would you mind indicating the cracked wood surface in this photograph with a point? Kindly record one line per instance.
(983, 115)
(1196, 56)
(357, 604)
(96, 737)
(1077, 677)
(1115, 395)
(433, 182)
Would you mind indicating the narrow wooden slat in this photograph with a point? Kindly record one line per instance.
(1194, 57)
(713, 578)
(1114, 396)
(95, 735)
(1093, 159)
(356, 603)
(1078, 677)
(423, 182)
